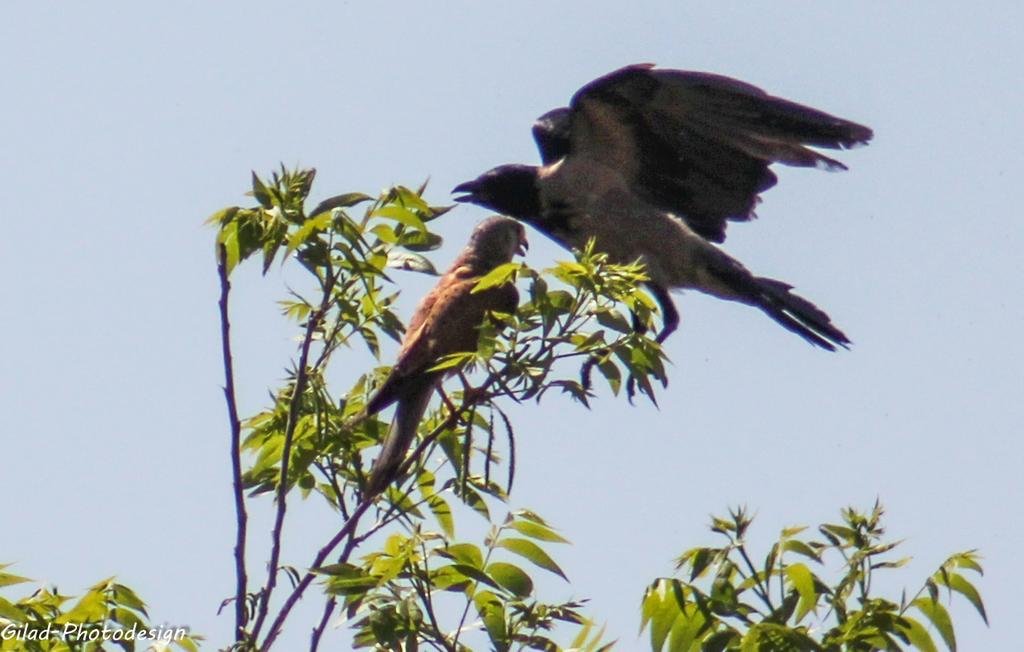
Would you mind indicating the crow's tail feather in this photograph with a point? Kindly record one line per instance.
(795, 313)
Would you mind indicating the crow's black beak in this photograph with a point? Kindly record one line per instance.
(466, 190)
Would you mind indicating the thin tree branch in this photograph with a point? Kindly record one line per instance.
(492, 543)
(349, 528)
(318, 560)
(422, 589)
(318, 631)
(241, 517)
(301, 378)
(760, 589)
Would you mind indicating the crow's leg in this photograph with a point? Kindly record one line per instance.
(670, 315)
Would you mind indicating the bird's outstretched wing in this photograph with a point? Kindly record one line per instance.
(694, 144)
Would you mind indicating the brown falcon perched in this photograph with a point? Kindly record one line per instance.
(652, 164)
(446, 321)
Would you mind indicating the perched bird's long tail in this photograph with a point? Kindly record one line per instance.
(409, 411)
(793, 312)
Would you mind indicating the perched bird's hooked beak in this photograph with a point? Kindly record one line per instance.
(524, 245)
(467, 191)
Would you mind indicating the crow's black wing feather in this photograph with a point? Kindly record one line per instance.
(695, 144)
(552, 134)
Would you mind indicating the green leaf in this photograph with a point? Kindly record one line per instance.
(698, 559)
(466, 553)
(451, 361)
(511, 577)
(343, 569)
(534, 553)
(801, 548)
(410, 198)
(385, 233)
(347, 579)
(420, 241)
(836, 532)
(90, 608)
(340, 201)
(771, 637)
(12, 613)
(492, 613)
(402, 216)
(270, 248)
(411, 262)
(614, 320)
(306, 231)
(128, 598)
(581, 638)
(967, 559)
(443, 513)
(223, 216)
(527, 515)
(537, 531)
(260, 192)
(127, 618)
(685, 629)
(916, 634)
(6, 579)
(187, 644)
(611, 373)
(228, 239)
(500, 275)
(960, 584)
(718, 641)
(661, 611)
(803, 579)
(939, 618)
(450, 578)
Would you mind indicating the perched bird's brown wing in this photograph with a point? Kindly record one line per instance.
(694, 144)
(447, 321)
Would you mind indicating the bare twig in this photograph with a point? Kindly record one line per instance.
(491, 544)
(511, 448)
(241, 517)
(301, 378)
(318, 631)
(423, 590)
(318, 560)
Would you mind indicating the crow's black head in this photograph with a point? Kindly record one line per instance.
(508, 189)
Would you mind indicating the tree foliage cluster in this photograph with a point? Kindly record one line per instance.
(313, 444)
(396, 573)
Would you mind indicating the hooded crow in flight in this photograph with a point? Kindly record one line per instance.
(447, 320)
(652, 164)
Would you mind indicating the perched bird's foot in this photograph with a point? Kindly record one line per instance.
(471, 395)
(474, 396)
(447, 401)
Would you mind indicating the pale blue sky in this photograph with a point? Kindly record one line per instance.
(126, 124)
